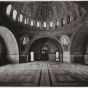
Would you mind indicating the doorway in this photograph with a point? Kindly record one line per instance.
(44, 55)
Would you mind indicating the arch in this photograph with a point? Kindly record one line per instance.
(21, 18)
(57, 23)
(57, 55)
(78, 44)
(44, 24)
(8, 10)
(25, 21)
(32, 55)
(14, 14)
(44, 47)
(11, 47)
(51, 24)
(38, 24)
(32, 23)
(55, 40)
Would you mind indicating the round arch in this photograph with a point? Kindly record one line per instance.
(44, 47)
(55, 40)
(78, 44)
(8, 41)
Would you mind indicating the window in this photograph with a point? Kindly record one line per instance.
(70, 18)
(25, 22)
(44, 24)
(32, 56)
(63, 21)
(14, 14)
(57, 56)
(38, 24)
(51, 24)
(21, 17)
(57, 23)
(32, 23)
(8, 10)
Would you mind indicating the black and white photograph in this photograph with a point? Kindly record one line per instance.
(43, 43)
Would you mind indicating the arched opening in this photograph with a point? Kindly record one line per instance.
(32, 23)
(25, 21)
(14, 14)
(63, 21)
(8, 10)
(9, 52)
(78, 47)
(57, 56)
(57, 23)
(44, 53)
(51, 24)
(21, 17)
(44, 24)
(38, 24)
(45, 49)
(32, 56)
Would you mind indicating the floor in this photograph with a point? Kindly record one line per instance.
(44, 73)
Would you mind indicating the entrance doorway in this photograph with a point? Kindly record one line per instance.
(44, 55)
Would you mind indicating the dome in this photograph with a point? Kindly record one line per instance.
(46, 10)
(47, 16)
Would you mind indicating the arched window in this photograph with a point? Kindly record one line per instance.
(25, 21)
(14, 14)
(8, 10)
(32, 56)
(38, 25)
(57, 56)
(21, 17)
(32, 23)
(63, 21)
(44, 24)
(51, 24)
(70, 18)
(57, 23)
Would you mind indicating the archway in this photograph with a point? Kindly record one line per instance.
(9, 52)
(78, 45)
(44, 53)
(45, 41)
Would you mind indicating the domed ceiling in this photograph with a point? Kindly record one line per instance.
(61, 17)
(46, 10)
